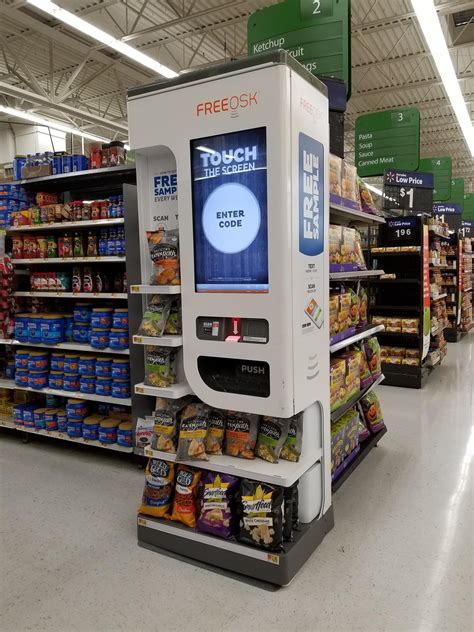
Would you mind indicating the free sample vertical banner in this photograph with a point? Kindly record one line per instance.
(229, 184)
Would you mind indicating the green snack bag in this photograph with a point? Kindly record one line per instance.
(291, 450)
(160, 366)
(155, 317)
(271, 437)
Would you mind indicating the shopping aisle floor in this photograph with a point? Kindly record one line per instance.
(399, 558)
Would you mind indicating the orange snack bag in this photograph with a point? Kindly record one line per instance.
(185, 496)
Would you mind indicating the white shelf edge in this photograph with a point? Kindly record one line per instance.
(163, 341)
(175, 391)
(99, 259)
(4, 383)
(58, 225)
(155, 289)
(439, 297)
(7, 421)
(356, 337)
(355, 215)
(88, 295)
(334, 276)
(65, 437)
(71, 346)
(283, 473)
(104, 399)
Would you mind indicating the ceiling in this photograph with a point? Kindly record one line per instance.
(55, 71)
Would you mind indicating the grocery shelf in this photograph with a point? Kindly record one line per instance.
(68, 260)
(437, 231)
(400, 333)
(91, 295)
(162, 341)
(365, 447)
(468, 289)
(55, 434)
(93, 223)
(71, 346)
(435, 264)
(90, 176)
(174, 391)
(437, 332)
(396, 308)
(367, 331)
(395, 253)
(7, 421)
(155, 289)
(339, 412)
(283, 473)
(351, 215)
(439, 297)
(69, 394)
(401, 281)
(360, 274)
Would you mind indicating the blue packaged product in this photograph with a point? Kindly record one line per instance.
(66, 163)
(118, 339)
(52, 329)
(74, 428)
(21, 377)
(21, 359)
(53, 401)
(121, 388)
(79, 162)
(57, 362)
(71, 363)
(87, 366)
(38, 379)
(87, 385)
(82, 312)
(10, 370)
(29, 416)
(51, 419)
(103, 386)
(103, 367)
(57, 164)
(101, 317)
(56, 380)
(81, 332)
(71, 382)
(34, 328)
(40, 419)
(103, 242)
(62, 420)
(112, 242)
(99, 338)
(38, 361)
(108, 431)
(103, 409)
(21, 327)
(120, 369)
(90, 428)
(76, 409)
(125, 434)
(18, 163)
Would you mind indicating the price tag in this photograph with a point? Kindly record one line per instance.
(139, 389)
(137, 340)
(142, 522)
(273, 559)
(410, 191)
(401, 232)
(135, 288)
(148, 451)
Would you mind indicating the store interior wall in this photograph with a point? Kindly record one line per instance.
(29, 139)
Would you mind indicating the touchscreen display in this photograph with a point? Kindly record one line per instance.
(229, 185)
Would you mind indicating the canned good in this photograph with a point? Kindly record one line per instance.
(74, 428)
(39, 417)
(34, 328)
(119, 339)
(62, 419)
(103, 367)
(125, 434)
(38, 361)
(51, 419)
(57, 362)
(38, 379)
(71, 382)
(82, 312)
(101, 317)
(21, 359)
(103, 386)
(56, 380)
(81, 332)
(21, 377)
(120, 369)
(87, 385)
(52, 329)
(121, 388)
(87, 366)
(76, 409)
(120, 319)
(99, 338)
(90, 428)
(71, 363)
(21, 327)
(108, 431)
(66, 163)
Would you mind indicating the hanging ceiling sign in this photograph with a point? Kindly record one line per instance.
(441, 167)
(317, 33)
(468, 210)
(410, 191)
(387, 140)
(446, 209)
(457, 192)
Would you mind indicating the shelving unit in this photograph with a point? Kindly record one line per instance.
(365, 332)
(67, 394)
(54, 434)
(155, 289)
(365, 447)
(106, 296)
(55, 261)
(70, 346)
(163, 341)
(93, 223)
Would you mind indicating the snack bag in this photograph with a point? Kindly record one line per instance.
(144, 432)
(345, 303)
(348, 254)
(335, 175)
(355, 307)
(261, 517)
(366, 378)
(217, 515)
(335, 239)
(215, 431)
(192, 433)
(185, 496)
(372, 412)
(291, 450)
(165, 429)
(241, 434)
(352, 376)
(164, 252)
(350, 185)
(363, 302)
(160, 366)
(155, 316)
(271, 437)
(372, 353)
(358, 253)
(337, 382)
(333, 314)
(158, 488)
(173, 325)
(366, 199)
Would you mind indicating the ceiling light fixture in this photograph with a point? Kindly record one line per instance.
(374, 189)
(101, 36)
(434, 37)
(27, 116)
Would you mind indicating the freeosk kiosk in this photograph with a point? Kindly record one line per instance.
(246, 146)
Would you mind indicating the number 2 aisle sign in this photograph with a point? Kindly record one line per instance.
(387, 140)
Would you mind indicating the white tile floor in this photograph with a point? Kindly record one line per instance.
(399, 557)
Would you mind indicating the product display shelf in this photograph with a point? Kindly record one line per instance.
(174, 391)
(119, 296)
(6, 421)
(155, 289)
(55, 434)
(397, 253)
(163, 341)
(437, 230)
(361, 274)
(57, 260)
(439, 297)
(93, 223)
(71, 346)
(365, 447)
(88, 178)
(396, 281)
(124, 401)
(436, 264)
(366, 332)
(339, 412)
(5, 383)
(348, 215)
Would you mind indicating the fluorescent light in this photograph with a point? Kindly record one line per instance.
(101, 36)
(208, 150)
(52, 124)
(431, 27)
(372, 188)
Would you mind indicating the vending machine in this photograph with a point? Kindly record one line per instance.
(236, 159)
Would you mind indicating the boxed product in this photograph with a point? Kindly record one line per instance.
(393, 324)
(337, 381)
(412, 353)
(379, 320)
(333, 315)
(344, 438)
(352, 378)
(350, 186)
(335, 178)
(410, 325)
(372, 412)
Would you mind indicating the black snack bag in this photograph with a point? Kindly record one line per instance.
(261, 516)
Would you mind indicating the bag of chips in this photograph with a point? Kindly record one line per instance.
(290, 511)
(192, 433)
(164, 252)
(271, 437)
(173, 325)
(373, 355)
(241, 434)
(215, 431)
(165, 429)
(372, 412)
(144, 432)
(158, 488)
(155, 317)
(185, 496)
(261, 517)
(291, 450)
(160, 366)
(217, 515)
(363, 300)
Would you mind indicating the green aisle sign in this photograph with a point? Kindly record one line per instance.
(457, 191)
(387, 140)
(441, 168)
(468, 211)
(317, 33)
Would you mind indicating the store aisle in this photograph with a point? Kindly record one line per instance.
(399, 557)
